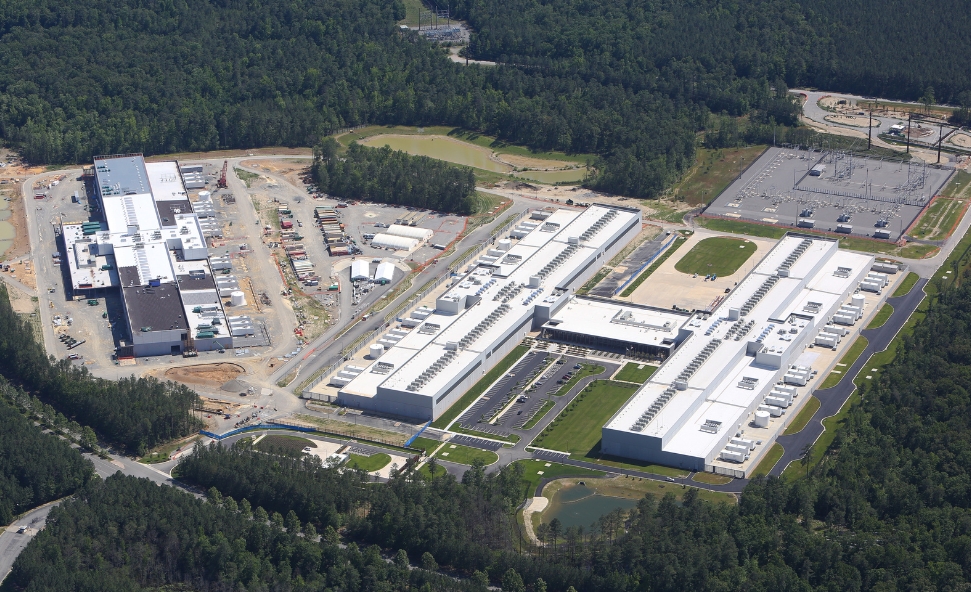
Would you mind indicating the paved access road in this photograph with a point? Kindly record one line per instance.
(832, 399)
(13, 543)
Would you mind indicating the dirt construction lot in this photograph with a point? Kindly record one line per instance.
(205, 374)
(689, 292)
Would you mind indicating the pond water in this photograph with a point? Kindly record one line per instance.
(442, 148)
(581, 506)
(567, 176)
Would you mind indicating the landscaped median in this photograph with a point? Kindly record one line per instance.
(465, 455)
(809, 408)
(845, 362)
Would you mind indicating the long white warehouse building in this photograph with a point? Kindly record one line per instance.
(434, 356)
(738, 358)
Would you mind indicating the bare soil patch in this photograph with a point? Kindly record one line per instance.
(205, 374)
(854, 120)
(962, 140)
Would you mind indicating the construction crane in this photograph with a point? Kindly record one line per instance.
(222, 176)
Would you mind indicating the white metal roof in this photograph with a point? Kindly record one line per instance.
(614, 320)
(385, 271)
(545, 247)
(360, 270)
(415, 232)
(714, 393)
(165, 181)
(399, 243)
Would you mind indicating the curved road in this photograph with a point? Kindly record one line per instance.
(832, 399)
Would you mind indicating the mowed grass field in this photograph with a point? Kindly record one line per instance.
(375, 462)
(635, 372)
(465, 455)
(577, 428)
(720, 255)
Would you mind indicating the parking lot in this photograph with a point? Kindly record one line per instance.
(863, 195)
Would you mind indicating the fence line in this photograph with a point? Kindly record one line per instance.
(674, 236)
(412, 302)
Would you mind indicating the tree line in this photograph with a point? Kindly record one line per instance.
(392, 176)
(126, 534)
(630, 82)
(35, 467)
(136, 413)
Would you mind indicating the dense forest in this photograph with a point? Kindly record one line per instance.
(35, 467)
(392, 176)
(137, 413)
(126, 534)
(631, 82)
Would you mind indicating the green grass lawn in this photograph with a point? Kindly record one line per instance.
(805, 414)
(657, 263)
(577, 428)
(711, 478)
(882, 316)
(539, 415)
(847, 360)
(587, 370)
(720, 255)
(906, 285)
(737, 227)
(635, 372)
(917, 251)
(532, 476)
(713, 171)
(480, 387)
(288, 443)
(465, 455)
(769, 460)
(411, 12)
(426, 444)
(375, 462)
(595, 456)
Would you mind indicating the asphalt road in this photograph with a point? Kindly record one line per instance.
(13, 543)
(326, 349)
(832, 399)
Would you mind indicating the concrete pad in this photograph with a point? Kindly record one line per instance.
(396, 462)
(667, 286)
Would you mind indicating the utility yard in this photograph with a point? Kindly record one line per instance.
(832, 191)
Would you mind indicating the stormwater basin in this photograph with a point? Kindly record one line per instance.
(579, 505)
